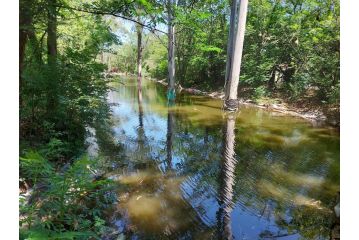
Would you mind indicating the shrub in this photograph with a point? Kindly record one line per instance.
(66, 205)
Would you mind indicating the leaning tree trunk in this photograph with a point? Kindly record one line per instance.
(171, 52)
(233, 66)
(139, 29)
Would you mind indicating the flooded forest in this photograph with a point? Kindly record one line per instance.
(179, 119)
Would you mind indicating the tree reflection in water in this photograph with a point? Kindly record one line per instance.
(182, 178)
(226, 180)
(140, 108)
(169, 138)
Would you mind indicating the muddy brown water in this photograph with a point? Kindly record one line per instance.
(189, 171)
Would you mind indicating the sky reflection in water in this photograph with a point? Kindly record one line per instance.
(191, 172)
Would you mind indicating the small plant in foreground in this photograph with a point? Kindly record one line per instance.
(63, 205)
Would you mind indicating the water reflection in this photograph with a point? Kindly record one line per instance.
(140, 108)
(169, 138)
(179, 177)
(142, 148)
(226, 179)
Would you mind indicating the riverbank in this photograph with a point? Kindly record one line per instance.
(316, 114)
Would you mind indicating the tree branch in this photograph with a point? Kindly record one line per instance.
(100, 12)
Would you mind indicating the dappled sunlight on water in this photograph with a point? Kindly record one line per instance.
(189, 171)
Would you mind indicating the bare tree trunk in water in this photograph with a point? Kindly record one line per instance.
(169, 139)
(171, 95)
(231, 88)
(231, 38)
(139, 30)
(227, 177)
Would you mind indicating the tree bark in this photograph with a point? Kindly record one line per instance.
(52, 82)
(231, 38)
(171, 51)
(52, 32)
(231, 88)
(25, 21)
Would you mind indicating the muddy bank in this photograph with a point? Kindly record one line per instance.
(315, 116)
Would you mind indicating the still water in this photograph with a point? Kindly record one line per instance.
(189, 171)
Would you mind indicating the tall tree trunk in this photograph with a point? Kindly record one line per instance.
(231, 38)
(23, 36)
(52, 54)
(171, 52)
(139, 30)
(227, 178)
(52, 32)
(231, 87)
(25, 20)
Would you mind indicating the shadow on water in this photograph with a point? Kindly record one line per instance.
(187, 171)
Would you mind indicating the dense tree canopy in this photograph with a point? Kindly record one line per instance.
(289, 46)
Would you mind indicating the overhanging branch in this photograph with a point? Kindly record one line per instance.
(100, 12)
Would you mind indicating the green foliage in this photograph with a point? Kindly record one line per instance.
(295, 41)
(66, 205)
(60, 99)
(61, 95)
(299, 40)
(33, 166)
(290, 47)
(260, 91)
(55, 149)
(160, 72)
(201, 44)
